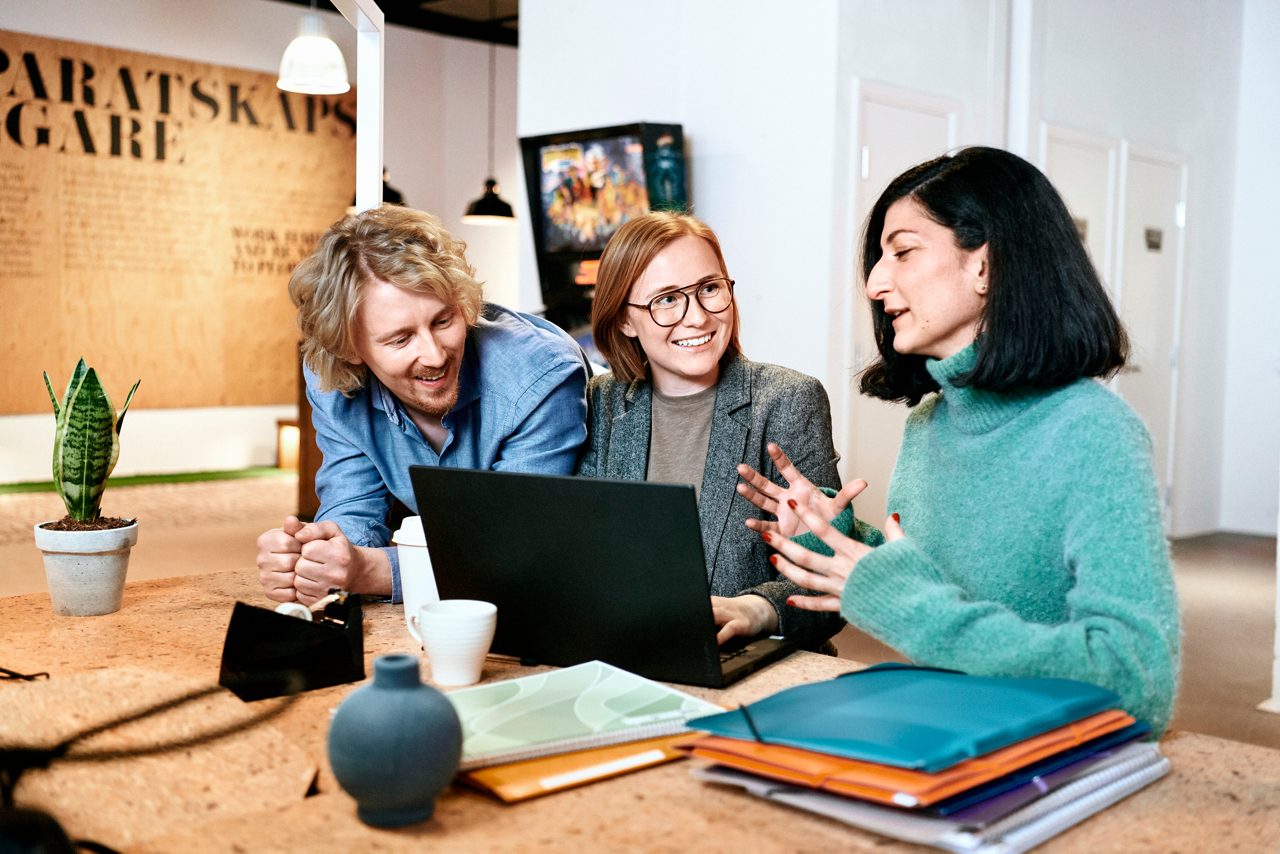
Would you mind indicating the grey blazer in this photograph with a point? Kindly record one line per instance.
(755, 404)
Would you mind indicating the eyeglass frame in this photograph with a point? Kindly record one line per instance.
(684, 292)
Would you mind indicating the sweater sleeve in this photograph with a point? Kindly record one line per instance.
(1121, 628)
(846, 523)
(351, 490)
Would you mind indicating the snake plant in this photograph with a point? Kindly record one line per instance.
(87, 443)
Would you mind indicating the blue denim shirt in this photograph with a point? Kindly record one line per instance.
(521, 407)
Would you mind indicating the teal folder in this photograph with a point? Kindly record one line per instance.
(911, 717)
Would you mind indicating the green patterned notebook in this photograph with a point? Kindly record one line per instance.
(573, 708)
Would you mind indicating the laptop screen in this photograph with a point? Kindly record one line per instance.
(580, 568)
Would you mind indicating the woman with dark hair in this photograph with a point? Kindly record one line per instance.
(1025, 535)
(682, 405)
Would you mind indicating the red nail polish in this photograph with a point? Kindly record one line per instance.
(791, 601)
(896, 519)
(791, 502)
(773, 559)
(765, 535)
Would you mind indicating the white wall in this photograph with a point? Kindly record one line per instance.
(764, 96)
(435, 150)
(1163, 74)
(1251, 417)
(1158, 74)
(758, 108)
(960, 58)
(758, 88)
(960, 54)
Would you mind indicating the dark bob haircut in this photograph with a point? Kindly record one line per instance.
(1047, 321)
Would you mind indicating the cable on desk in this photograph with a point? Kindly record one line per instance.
(6, 673)
(15, 761)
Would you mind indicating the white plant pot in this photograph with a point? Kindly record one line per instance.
(85, 570)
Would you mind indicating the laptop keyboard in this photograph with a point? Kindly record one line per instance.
(731, 651)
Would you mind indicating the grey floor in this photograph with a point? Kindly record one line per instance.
(1227, 585)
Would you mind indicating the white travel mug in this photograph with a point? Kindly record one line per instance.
(417, 580)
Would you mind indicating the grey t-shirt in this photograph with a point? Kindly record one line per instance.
(679, 433)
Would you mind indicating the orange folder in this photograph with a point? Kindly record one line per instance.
(529, 778)
(897, 786)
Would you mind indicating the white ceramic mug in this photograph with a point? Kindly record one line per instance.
(417, 580)
(456, 633)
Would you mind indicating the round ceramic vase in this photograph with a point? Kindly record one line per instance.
(85, 570)
(395, 744)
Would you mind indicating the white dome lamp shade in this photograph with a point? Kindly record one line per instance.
(312, 63)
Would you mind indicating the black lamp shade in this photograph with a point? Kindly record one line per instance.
(489, 206)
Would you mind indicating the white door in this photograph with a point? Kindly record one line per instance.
(896, 130)
(1083, 169)
(1149, 288)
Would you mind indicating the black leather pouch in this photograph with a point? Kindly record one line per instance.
(266, 654)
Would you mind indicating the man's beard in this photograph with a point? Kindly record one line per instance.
(437, 403)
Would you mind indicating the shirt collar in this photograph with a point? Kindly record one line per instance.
(383, 399)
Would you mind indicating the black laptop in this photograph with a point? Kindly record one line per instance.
(584, 568)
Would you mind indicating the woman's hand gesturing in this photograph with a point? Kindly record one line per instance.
(824, 575)
(799, 492)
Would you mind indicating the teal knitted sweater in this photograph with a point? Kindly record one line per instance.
(1034, 545)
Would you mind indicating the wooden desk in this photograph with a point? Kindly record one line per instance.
(1221, 795)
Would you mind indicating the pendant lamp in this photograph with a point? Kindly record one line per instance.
(490, 209)
(312, 63)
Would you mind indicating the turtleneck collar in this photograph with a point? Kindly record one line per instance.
(974, 410)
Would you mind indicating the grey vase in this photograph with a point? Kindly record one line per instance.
(395, 744)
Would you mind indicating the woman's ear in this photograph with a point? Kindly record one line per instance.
(628, 330)
(978, 267)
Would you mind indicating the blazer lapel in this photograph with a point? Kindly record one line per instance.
(727, 447)
(630, 431)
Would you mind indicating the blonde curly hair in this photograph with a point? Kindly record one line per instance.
(401, 246)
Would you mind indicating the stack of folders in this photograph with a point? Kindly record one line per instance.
(935, 757)
(550, 731)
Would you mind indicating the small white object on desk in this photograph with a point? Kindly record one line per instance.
(302, 612)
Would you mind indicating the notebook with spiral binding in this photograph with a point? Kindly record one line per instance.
(573, 708)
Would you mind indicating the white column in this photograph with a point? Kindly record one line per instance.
(1273, 704)
(369, 24)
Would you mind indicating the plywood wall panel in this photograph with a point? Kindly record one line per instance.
(151, 210)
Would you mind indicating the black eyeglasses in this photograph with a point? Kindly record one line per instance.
(670, 307)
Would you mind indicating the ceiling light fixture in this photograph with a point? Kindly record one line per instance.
(490, 209)
(312, 63)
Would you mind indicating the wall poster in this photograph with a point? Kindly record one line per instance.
(151, 210)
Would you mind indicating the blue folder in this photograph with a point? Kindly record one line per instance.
(920, 718)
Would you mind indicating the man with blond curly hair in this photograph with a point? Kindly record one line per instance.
(405, 364)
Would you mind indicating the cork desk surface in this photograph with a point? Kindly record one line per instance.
(269, 788)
